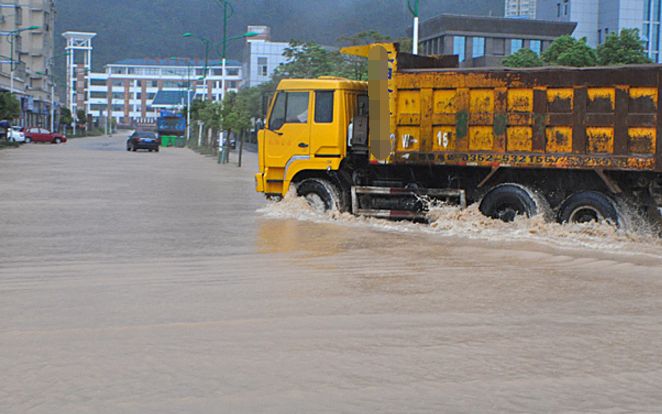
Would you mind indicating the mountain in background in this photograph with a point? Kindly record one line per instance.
(141, 28)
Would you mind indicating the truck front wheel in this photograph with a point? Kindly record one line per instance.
(322, 195)
(590, 206)
(507, 201)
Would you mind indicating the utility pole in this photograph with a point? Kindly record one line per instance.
(228, 10)
(414, 9)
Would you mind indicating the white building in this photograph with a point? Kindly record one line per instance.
(262, 56)
(524, 9)
(127, 88)
(598, 18)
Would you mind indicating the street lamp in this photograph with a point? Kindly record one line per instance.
(414, 9)
(208, 45)
(188, 98)
(51, 78)
(12, 38)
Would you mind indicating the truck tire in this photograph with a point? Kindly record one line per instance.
(507, 201)
(590, 206)
(322, 195)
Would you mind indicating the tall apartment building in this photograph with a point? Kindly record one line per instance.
(523, 9)
(596, 19)
(262, 56)
(30, 54)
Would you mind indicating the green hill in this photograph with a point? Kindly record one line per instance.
(140, 28)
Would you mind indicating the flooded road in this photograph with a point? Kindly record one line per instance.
(161, 283)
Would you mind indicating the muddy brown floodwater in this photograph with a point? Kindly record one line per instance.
(161, 283)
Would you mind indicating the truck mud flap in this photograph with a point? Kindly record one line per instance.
(454, 196)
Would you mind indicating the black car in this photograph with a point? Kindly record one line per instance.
(143, 140)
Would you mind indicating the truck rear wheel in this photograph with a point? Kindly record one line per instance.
(322, 195)
(590, 206)
(507, 201)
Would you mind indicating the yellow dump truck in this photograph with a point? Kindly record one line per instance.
(574, 144)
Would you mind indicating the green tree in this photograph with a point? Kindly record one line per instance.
(234, 113)
(406, 44)
(568, 51)
(562, 43)
(523, 58)
(81, 117)
(65, 116)
(10, 107)
(210, 113)
(309, 60)
(622, 49)
(359, 66)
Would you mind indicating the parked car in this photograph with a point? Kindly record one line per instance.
(143, 140)
(15, 135)
(43, 135)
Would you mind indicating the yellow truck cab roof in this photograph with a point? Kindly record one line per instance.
(323, 82)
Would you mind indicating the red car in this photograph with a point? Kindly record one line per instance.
(43, 135)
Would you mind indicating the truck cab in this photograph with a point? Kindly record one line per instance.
(306, 132)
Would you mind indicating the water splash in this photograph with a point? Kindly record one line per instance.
(450, 221)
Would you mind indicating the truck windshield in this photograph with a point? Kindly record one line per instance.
(291, 108)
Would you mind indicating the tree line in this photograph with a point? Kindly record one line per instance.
(622, 48)
(239, 111)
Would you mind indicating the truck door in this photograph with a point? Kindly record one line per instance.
(288, 132)
(326, 137)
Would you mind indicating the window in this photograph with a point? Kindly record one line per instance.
(558, 9)
(600, 36)
(297, 108)
(323, 107)
(362, 103)
(515, 45)
(291, 108)
(499, 47)
(458, 47)
(232, 72)
(262, 66)
(478, 47)
(565, 7)
(535, 46)
(277, 118)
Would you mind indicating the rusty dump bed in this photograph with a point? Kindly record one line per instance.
(605, 118)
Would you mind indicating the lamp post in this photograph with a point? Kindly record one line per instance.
(12, 38)
(414, 9)
(188, 99)
(51, 78)
(208, 45)
(228, 10)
